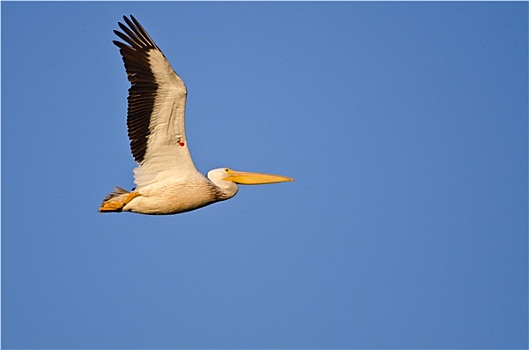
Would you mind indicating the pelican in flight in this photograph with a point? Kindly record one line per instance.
(166, 179)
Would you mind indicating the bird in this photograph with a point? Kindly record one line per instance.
(167, 181)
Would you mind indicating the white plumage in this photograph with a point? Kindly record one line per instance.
(167, 181)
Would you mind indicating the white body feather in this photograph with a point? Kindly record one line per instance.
(169, 197)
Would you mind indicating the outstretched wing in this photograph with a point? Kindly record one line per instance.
(156, 108)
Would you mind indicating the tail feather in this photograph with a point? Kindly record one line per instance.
(117, 199)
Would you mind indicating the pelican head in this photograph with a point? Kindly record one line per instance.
(227, 179)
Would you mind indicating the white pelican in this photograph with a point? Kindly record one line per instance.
(166, 179)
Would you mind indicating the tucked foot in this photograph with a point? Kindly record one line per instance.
(117, 199)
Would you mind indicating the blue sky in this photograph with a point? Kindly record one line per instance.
(404, 124)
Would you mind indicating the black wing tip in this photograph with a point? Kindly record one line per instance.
(128, 19)
(133, 33)
(119, 44)
(132, 23)
(125, 19)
